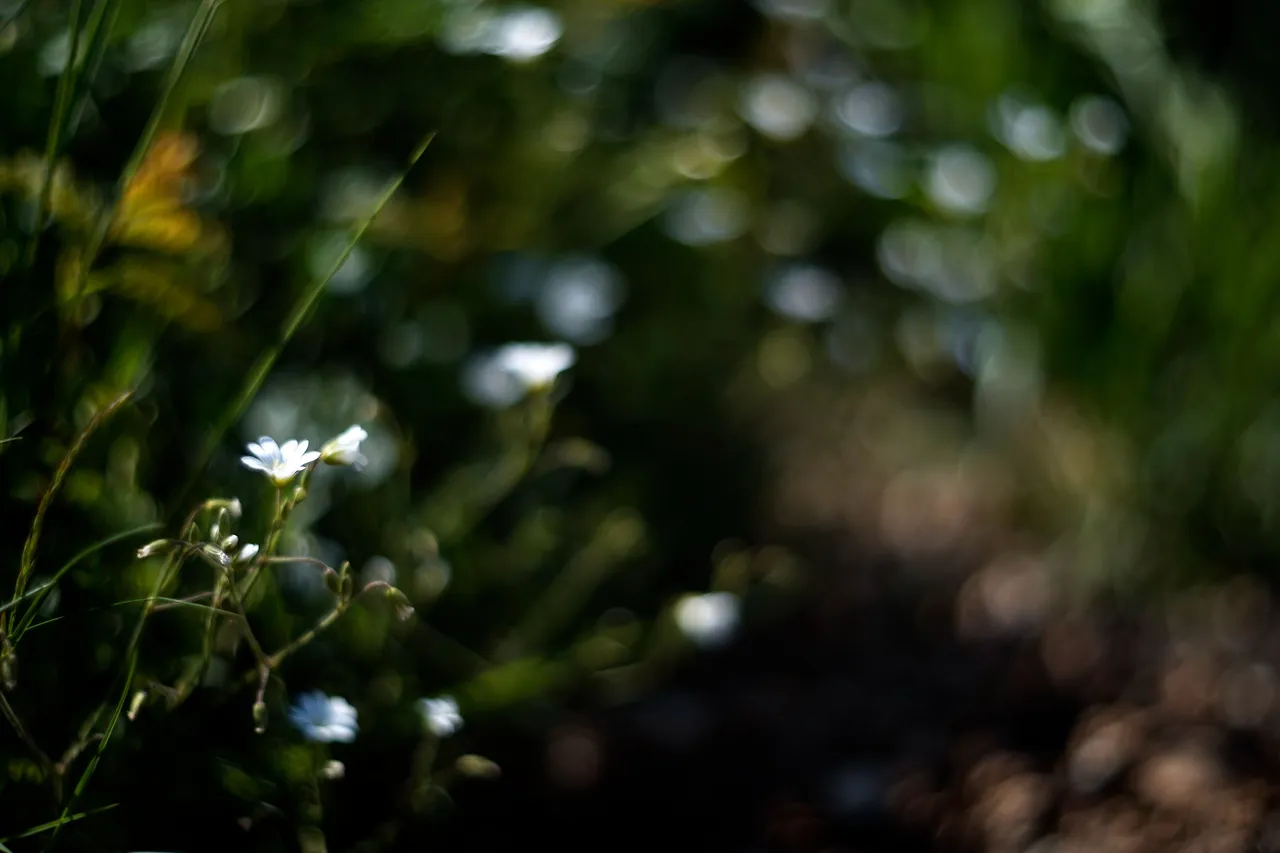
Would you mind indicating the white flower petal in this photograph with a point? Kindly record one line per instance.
(253, 463)
(535, 365)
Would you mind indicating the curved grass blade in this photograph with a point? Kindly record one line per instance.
(175, 602)
(66, 567)
(92, 766)
(172, 602)
(31, 593)
(102, 20)
(306, 301)
(28, 562)
(23, 735)
(54, 824)
(190, 42)
(14, 15)
(53, 138)
(126, 683)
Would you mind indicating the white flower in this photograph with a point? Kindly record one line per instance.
(535, 365)
(440, 715)
(324, 718)
(247, 552)
(708, 619)
(345, 449)
(280, 463)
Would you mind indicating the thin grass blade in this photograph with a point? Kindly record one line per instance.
(190, 42)
(173, 602)
(54, 824)
(102, 22)
(14, 15)
(53, 138)
(44, 589)
(305, 303)
(92, 766)
(28, 562)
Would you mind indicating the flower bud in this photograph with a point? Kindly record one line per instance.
(216, 556)
(229, 544)
(345, 449)
(477, 767)
(152, 548)
(400, 602)
(9, 671)
(259, 716)
(333, 770)
(135, 704)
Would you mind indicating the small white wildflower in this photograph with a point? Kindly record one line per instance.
(345, 449)
(535, 365)
(333, 770)
(324, 719)
(247, 552)
(440, 715)
(281, 463)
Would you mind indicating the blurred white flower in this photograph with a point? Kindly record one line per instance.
(535, 365)
(708, 619)
(324, 719)
(522, 34)
(345, 449)
(281, 463)
(247, 552)
(440, 715)
(777, 106)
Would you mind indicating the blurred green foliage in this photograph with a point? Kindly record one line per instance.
(1035, 214)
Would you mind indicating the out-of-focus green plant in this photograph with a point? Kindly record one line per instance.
(141, 257)
(1032, 215)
